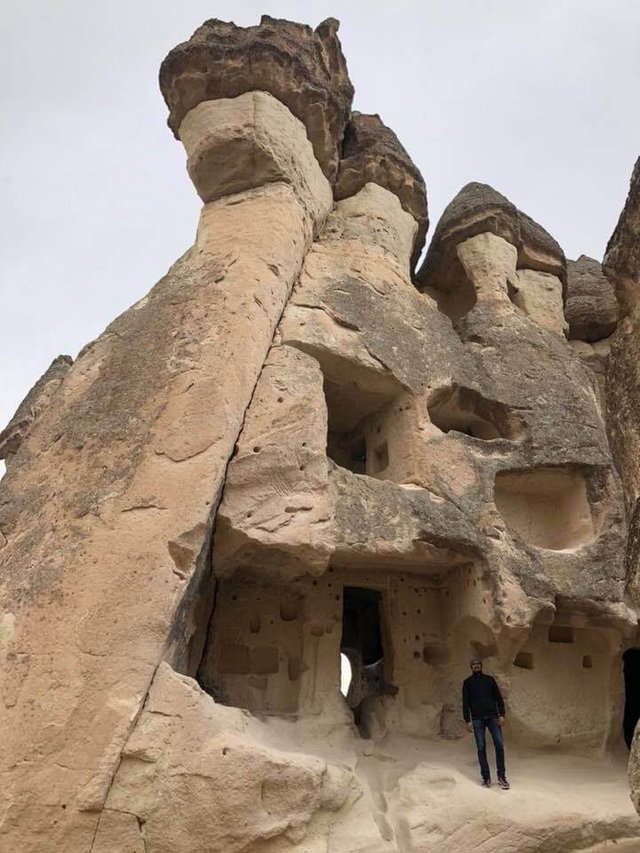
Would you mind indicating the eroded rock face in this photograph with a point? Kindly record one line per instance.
(622, 267)
(187, 750)
(372, 153)
(622, 259)
(448, 468)
(478, 209)
(236, 144)
(591, 309)
(302, 68)
(107, 573)
(313, 459)
(32, 407)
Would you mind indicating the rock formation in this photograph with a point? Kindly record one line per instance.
(288, 452)
(622, 268)
(32, 406)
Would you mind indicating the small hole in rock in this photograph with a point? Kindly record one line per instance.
(524, 660)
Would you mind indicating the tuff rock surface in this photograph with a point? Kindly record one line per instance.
(478, 209)
(32, 407)
(591, 309)
(301, 67)
(372, 153)
(314, 458)
(622, 267)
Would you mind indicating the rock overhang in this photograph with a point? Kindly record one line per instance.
(301, 67)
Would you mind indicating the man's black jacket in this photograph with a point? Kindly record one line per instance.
(481, 697)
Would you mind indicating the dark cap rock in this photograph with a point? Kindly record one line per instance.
(591, 309)
(371, 152)
(478, 208)
(301, 67)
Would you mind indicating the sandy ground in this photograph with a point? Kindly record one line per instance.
(425, 795)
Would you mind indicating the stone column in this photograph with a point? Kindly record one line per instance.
(107, 511)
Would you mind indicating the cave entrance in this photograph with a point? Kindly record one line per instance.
(362, 646)
(631, 670)
(352, 442)
(467, 411)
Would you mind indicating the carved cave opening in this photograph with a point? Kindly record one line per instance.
(353, 442)
(362, 645)
(547, 507)
(467, 411)
(631, 673)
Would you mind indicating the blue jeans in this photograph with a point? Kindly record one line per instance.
(479, 727)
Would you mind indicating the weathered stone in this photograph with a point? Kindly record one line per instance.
(371, 152)
(539, 295)
(591, 309)
(285, 455)
(497, 475)
(32, 407)
(477, 209)
(232, 790)
(241, 143)
(301, 67)
(621, 265)
(106, 573)
(285, 430)
(595, 357)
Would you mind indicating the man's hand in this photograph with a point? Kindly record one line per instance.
(501, 721)
(469, 727)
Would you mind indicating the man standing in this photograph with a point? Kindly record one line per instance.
(483, 708)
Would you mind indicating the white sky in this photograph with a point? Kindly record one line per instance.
(539, 99)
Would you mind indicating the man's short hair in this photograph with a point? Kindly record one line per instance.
(475, 660)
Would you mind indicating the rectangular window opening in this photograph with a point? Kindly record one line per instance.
(560, 634)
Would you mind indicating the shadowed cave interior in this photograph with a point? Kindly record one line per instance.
(631, 671)
(362, 645)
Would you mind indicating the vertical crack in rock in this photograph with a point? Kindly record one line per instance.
(207, 555)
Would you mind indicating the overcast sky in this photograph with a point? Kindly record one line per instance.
(539, 99)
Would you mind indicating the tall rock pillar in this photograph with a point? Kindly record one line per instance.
(622, 268)
(107, 510)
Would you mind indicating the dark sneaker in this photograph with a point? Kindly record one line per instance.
(486, 783)
(502, 781)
